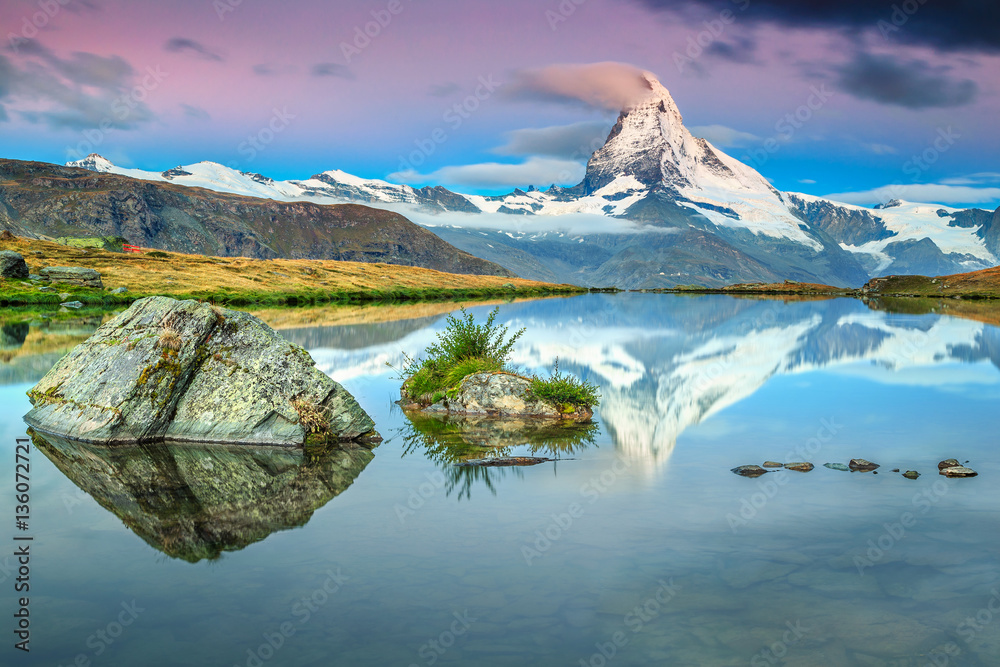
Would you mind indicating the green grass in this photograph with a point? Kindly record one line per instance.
(12, 293)
(566, 392)
(465, 348)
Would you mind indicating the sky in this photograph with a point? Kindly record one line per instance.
(855, 99)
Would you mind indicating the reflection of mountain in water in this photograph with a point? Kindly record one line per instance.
(195, 501)
(665, 363)
(663, 369)
(29, 350)
(356, 336)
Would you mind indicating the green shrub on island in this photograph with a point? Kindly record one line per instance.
(564, 391)
(466, 348)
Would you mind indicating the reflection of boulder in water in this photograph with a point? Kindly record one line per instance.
(12, 335)
(193, 502)
(450, 440)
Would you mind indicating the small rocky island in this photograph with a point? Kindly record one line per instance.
(184, 371)
(468, 372)
(495, 394)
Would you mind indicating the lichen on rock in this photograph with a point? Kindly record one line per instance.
(186, 371)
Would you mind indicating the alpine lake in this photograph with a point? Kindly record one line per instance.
(637, 545)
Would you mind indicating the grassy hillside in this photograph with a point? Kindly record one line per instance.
(41, 200)
(243, 281)
(983, 284)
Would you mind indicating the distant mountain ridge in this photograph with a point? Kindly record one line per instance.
(703, 217)
(45, 200)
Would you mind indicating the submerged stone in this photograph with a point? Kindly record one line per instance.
(800, 467)
(861, 465)
(958, 471)
(186, 371)
(749, 471)
(503, 461)
(772, 464)
(910, 474)
(837, 466)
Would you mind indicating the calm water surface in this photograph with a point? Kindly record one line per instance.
(637, 546)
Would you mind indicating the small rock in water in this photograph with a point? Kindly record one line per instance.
(71, 304)
(800, 467)
(771, 464)
(895, 469)
(910, 474)
(958, 471)
(861, 465)
(949, 463)
(502, 461)
(749, 471)
(836, 466)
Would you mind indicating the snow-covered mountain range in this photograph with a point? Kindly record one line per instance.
(677, 210)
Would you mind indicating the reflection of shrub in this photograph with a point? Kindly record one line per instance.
(564, 390)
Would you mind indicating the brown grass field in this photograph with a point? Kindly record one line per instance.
(240, 280)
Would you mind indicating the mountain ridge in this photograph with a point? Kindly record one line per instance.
(653, 177)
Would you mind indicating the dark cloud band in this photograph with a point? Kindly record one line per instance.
(957, 25)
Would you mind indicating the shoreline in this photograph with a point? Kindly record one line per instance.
(240, 281)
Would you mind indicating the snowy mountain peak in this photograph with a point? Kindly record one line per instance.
(93, 162)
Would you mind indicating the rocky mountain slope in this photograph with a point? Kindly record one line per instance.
(44, 200)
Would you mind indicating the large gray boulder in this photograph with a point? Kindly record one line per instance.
(496, 395)
(186, 371)
(74, 275)
(12, 265)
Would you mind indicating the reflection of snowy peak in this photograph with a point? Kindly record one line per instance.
(661, 372)
(702, 216)
(656, 383)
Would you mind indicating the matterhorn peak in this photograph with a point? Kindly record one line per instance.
(656, 96)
